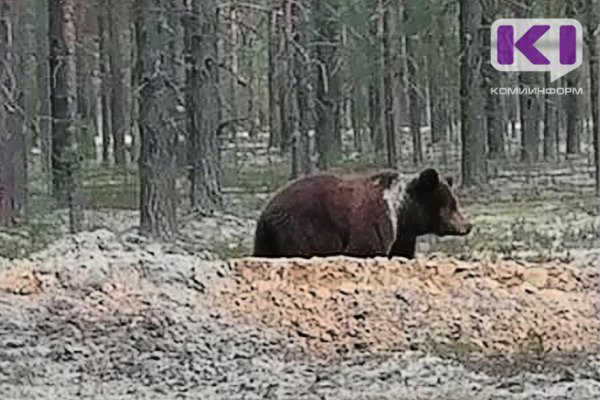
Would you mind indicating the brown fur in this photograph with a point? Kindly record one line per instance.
(326, 214)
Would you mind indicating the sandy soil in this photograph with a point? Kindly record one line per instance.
(106, 316)
(340, 305)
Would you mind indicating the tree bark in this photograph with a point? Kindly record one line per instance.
(592, 13)
(158, 101)
(328, 135)
(293, 17)
(474, 172)
(20, 102)
(274, 125)
(63, 89)
(87, 72)
(550, 145)
(234, 65)
(105, 86)
(493, 106)
(529, 105)
(388, 85)
(571, 101)
(414, 99)
(7, 99)
(118, 51)
(203, 106)
(43, 120)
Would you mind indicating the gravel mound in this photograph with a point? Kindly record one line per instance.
(341, 305)
(106, 316)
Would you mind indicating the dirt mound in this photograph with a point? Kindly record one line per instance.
(343, 305)
(114, 316)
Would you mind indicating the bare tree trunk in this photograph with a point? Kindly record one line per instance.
(374, 127)
(118, 50)
(301, 72)
(234, 66)
(398, 45)
(274, 126)
(591, 26)
(285, 82)
(328, 135)
(495, 123)
(43, 120)
(134, 98)
(7, 100)
(493, 106)
(21, 99)
(529, 104)
(63, 88)
(105, 86)
(158, 101)
(571, 101)
(291, 12)
(436, 101)
(389, 84)
(381, 78)
(550, 149)
(415, 103)
(203, 106)
(87, 70)
(472, 98)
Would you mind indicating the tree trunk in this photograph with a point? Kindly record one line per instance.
(571, 101)
(63, 89)
(386, 83)
(20, 102)
(7, 136)
(234, 27)
(118, 51)
(550, 122)
(293, 34)
(415, 103)
(472, 98)
(328, 135)
(87, 65)
(436, 101)
(203, 106)
(105, 86)
(495, 123)
(43, 120)
(301, 72)
(529, 104)
(285, 79)
(374, 126)
(591, 26)
(357, 117)
(274, 126)
(493, 106)
(158, 101)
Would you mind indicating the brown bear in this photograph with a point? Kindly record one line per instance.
(376, 214)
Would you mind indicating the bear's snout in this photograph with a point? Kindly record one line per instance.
(467, 228)
(457, 225)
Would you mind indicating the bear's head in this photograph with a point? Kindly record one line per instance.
(433, 208)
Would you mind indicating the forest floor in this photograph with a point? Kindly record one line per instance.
(107, 314)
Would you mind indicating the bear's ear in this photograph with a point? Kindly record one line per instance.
(427, 181)
(450, 181)
(385, 179)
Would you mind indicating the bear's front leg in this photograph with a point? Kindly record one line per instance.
(374, 242)
(404, 247)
